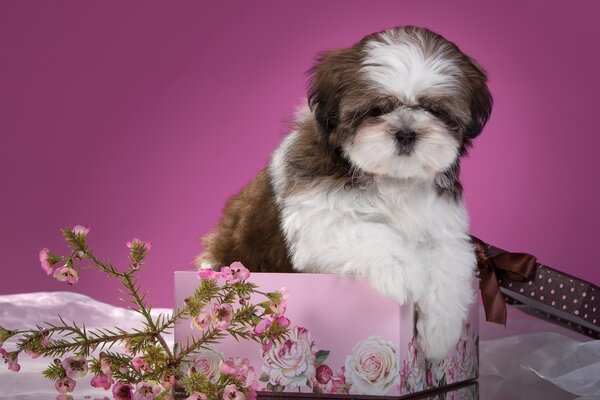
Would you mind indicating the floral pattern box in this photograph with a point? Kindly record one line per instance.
(345, 338)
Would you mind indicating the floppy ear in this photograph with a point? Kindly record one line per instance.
(481, 102)
(329, 79)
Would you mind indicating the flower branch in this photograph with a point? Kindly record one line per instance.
(148, 368)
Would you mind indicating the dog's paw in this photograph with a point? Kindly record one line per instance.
(400, 282)
(436, 337)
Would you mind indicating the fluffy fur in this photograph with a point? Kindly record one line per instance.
(366, 184)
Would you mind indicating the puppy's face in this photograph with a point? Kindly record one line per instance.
(404, 102)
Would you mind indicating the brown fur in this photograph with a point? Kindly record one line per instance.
(249, 231)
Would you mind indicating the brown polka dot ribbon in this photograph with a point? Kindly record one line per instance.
(513, 266)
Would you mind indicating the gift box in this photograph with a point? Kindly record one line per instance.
(345, 338)
(518, 279)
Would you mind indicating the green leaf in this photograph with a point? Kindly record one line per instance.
(321, 356)
(263, 377)
(275, 388)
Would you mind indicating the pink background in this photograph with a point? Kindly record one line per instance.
(141, 118)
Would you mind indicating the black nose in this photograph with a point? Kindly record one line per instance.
(406, 138)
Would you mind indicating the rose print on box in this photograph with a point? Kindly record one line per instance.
(373, 366)
(290, 363)
(360, 343)
(208, 361)
(419, 374)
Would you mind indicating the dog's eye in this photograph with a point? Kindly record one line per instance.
(377, 111)
(439, 113)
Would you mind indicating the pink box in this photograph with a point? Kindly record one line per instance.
(341, 325)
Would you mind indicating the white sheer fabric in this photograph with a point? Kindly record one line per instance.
(30, 309)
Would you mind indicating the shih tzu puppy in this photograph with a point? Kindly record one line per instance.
(367, 182)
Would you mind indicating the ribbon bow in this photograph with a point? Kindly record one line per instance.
(513, 266)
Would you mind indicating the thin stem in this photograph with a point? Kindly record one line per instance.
(106, 268)
(174, 318)
(91, 342)
(146, 313)
(209, 335)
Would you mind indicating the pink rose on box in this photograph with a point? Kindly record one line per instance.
(241, 369)
(437, 370)
(324, 374)
(373, 366)
(412, 375)
(292, 362)
(463, 362)
(207, 361)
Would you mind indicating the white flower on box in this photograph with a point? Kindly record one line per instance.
(207, 361)
(291, 363)
(373, 366)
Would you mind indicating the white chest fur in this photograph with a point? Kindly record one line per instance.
(410, 243)
(407, 213)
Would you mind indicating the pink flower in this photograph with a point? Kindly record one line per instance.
(139, 364)
(44, 261)
(281, 320)
(278, 308)
(34, 354)
(122, 391)
(75, 367)
(231, 392)
(208, 273)
(339, 384)
(428, 378)
(135, 242)
(81, 230)
(228, 367)
(222, 315)
(11, 359)
(262, 326)
(47, 260)
(202, 321)
(198, 396)
(104, 364)
(127, 346)
(267, 346)
(235, 273)
(167, 379)
(324, 374)
(67, 274)
(239, 368)
(102, 381)
(278, 302)
(146, 391)
(65, 385)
